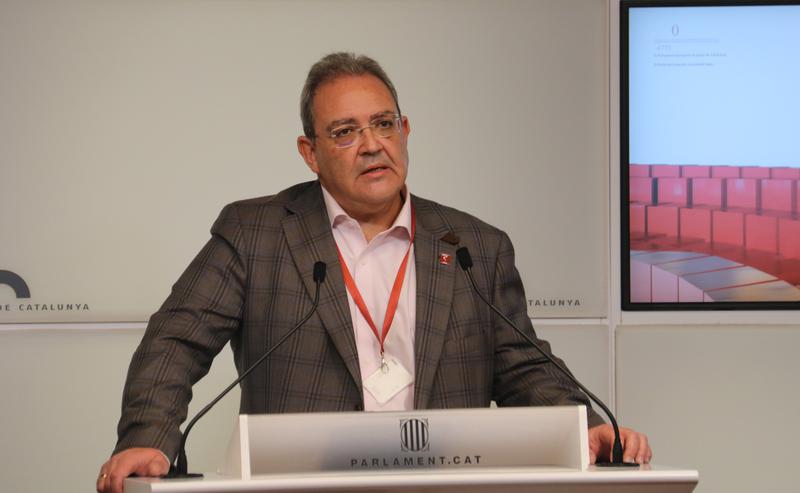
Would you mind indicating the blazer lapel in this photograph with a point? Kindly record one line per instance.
(435, 277)
(308, 233)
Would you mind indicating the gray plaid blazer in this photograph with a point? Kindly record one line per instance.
(252, 282)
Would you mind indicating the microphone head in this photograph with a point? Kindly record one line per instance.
(464, 258)
(319, 271)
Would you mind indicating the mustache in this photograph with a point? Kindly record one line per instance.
(372, 161)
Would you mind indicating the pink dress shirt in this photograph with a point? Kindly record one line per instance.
(374, 266)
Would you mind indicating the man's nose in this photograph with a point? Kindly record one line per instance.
(369, 141)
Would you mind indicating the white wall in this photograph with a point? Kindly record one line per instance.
(714, 392)
(61, 393)
(127, 125)
(720, 399)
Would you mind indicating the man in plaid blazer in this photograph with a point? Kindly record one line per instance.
(252, 282)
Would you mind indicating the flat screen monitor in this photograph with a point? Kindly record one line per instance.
(710, 155)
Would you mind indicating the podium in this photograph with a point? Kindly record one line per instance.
(513, 450)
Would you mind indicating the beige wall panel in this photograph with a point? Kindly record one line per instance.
(61, 400)
(63, 390)
(722, 400)
(585, 350)
(127, 125)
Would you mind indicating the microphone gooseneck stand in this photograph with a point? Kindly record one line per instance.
(180, 468)
(465, 261)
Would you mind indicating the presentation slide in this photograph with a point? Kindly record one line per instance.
(715, 85)
(714, 159)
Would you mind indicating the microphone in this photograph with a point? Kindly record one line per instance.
(178, 470)
(465, 261)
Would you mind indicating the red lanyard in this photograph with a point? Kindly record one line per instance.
(391, 308)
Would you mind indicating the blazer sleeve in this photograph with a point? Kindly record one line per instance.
(182, 338)
(523, 376)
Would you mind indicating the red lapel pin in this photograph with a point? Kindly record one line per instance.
(445, 258)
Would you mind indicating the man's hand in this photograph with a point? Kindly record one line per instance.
(139, 461)
(634, 444)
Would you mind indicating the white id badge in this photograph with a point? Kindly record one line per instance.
(387, 381)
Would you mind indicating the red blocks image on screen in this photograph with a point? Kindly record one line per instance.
(642, 190)
(674, 191)
(745, 214)
(755, 172)
(761, 233)
(640, 170)
(728, 228)
(693, 171)
(695, 224)
(789, 238)
(708, 192)
(725, 172)
(742, 193)
(662, 220)
(785, 173)
(637, 220)
(665, 171)
(789, 249)
(778, 196)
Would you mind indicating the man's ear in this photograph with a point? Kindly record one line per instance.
(306, 148)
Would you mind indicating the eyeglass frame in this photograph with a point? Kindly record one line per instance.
(397, 118)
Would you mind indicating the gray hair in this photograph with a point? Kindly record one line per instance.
(331, 67)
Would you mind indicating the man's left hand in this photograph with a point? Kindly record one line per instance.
(634, 444)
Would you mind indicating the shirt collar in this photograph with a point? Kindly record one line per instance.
(337, 215)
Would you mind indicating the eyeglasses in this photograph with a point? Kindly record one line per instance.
(384, 126)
